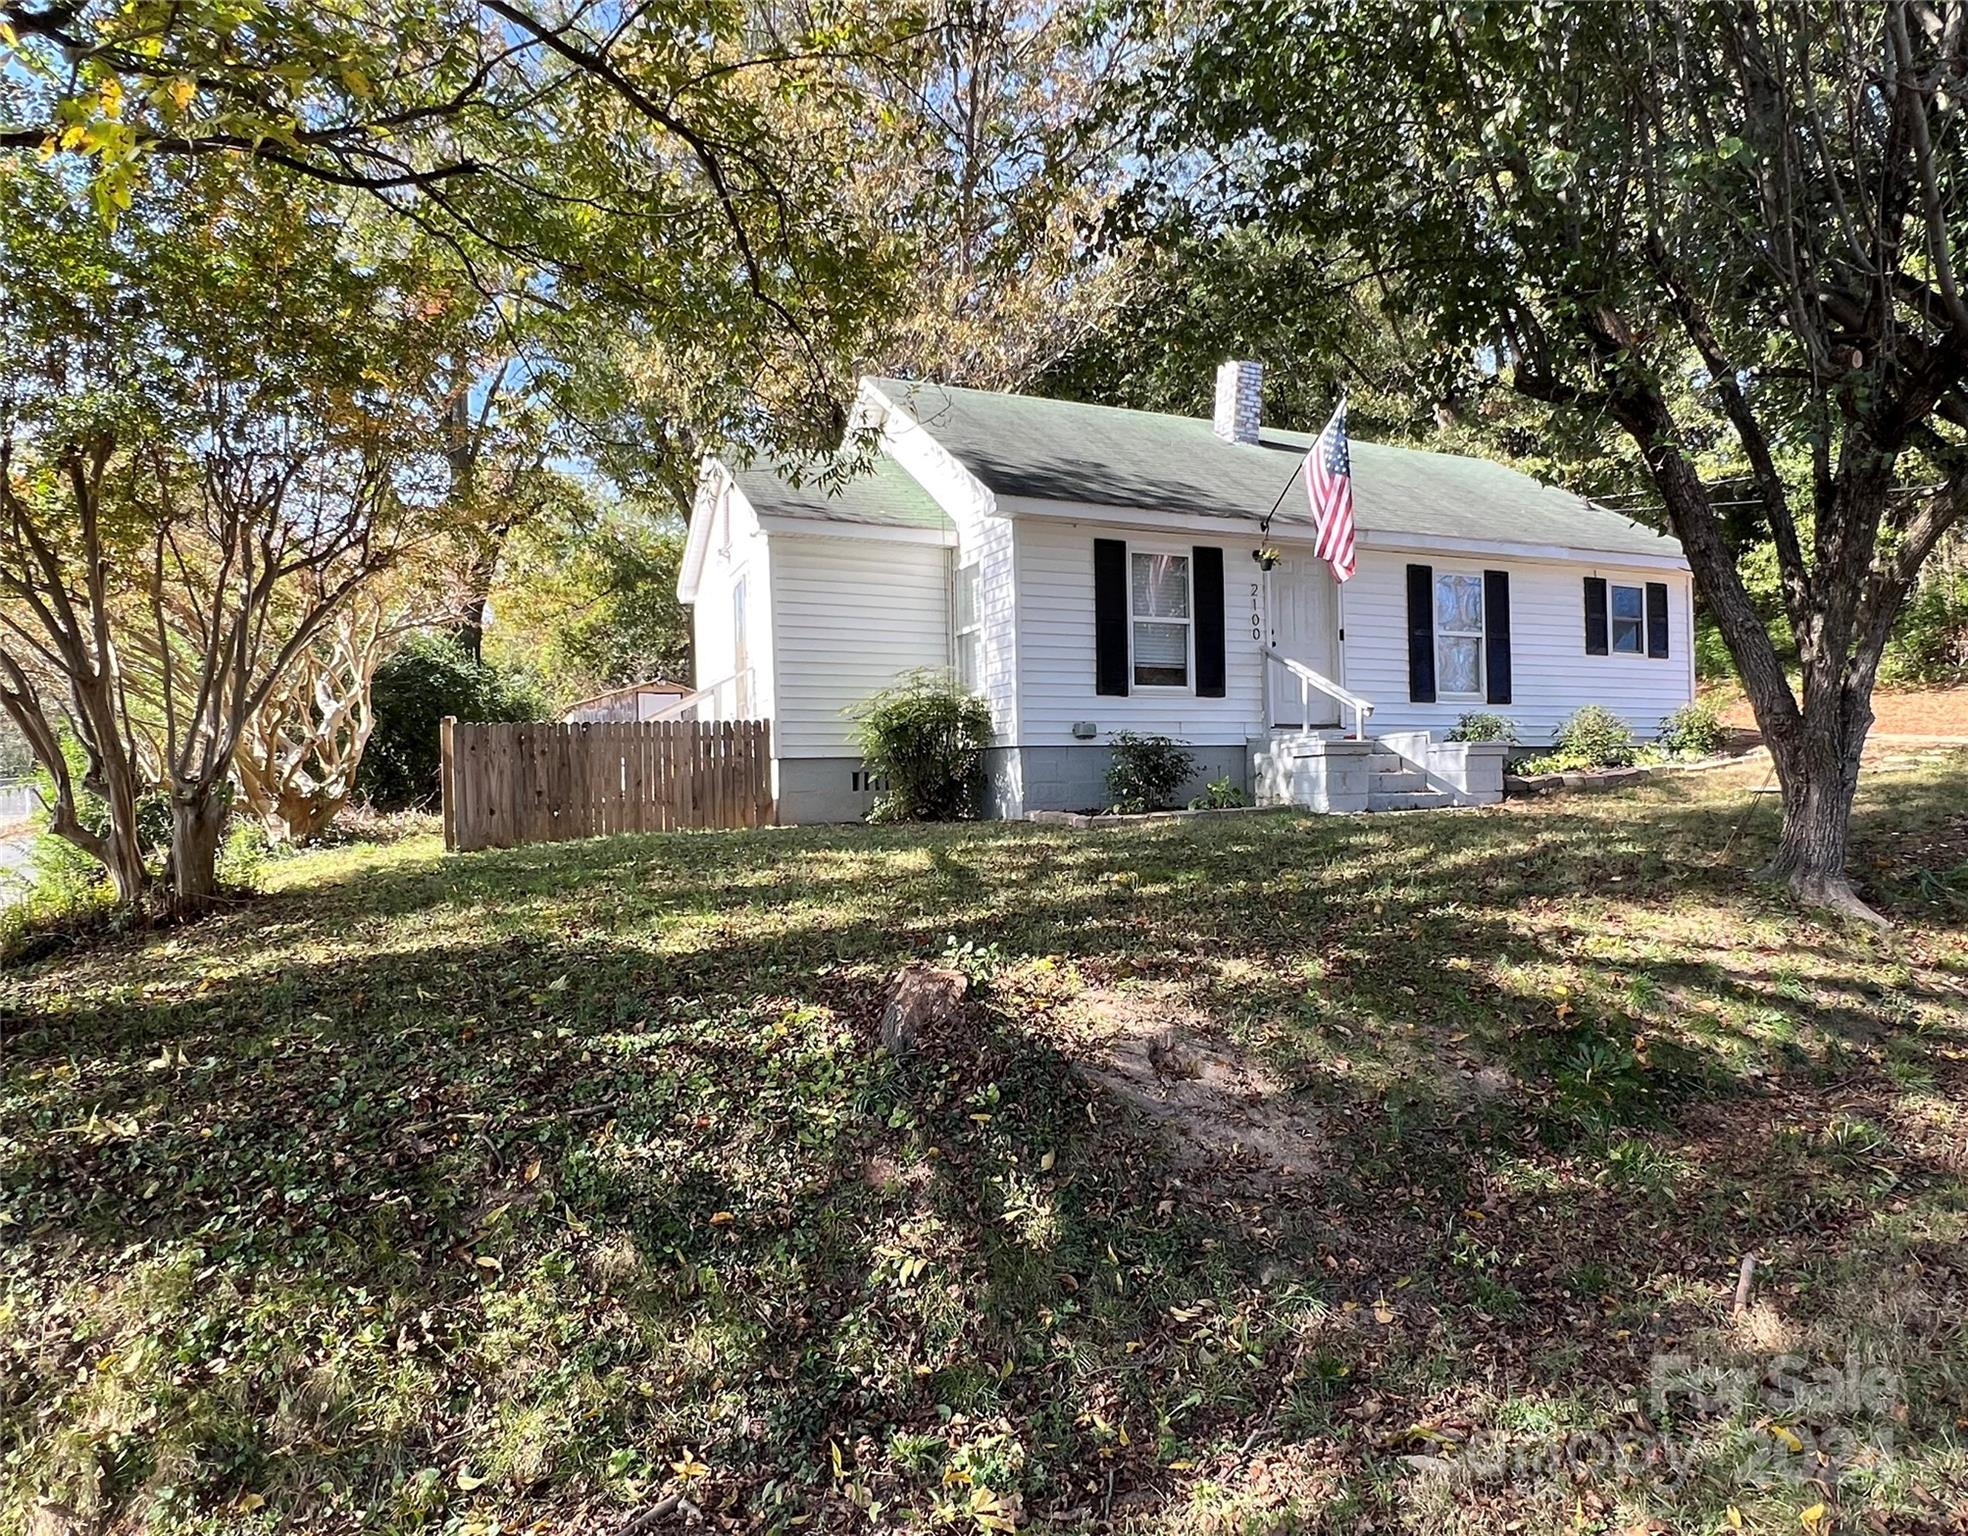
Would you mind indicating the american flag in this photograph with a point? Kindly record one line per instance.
(1329, 489)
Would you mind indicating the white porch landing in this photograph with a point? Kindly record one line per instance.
(1401, 771)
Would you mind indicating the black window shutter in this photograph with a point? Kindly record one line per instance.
(1656, 618)
(1595, 616)
(1421, 634)
(1110, 616)
(1208, 569)
(1496, 636)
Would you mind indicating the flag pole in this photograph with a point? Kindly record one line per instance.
(1264, 522)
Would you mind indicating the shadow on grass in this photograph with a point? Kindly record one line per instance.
(538, 1167)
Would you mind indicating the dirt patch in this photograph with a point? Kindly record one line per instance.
(1934, 713)
(1217, 1106)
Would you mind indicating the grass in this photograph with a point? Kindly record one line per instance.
(515, 1191)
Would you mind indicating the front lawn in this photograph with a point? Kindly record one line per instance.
(523, 1190)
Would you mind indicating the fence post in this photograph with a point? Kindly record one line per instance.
(448, 780)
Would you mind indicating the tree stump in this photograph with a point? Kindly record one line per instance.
(921, 996)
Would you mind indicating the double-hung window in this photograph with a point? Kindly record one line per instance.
(1459, 633)
(1628, 606)
(1159, 618)
(969, 631)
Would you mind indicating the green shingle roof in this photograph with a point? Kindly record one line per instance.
(1057, 450)
(886, 494)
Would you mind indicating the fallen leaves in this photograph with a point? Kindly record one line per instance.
(670, 1157)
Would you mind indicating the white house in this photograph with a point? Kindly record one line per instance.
(1091, 570)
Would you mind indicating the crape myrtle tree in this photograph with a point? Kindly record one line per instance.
(218, 426)
(1677, 217)
(298, 753)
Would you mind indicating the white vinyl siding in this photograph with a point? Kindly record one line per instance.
(1056, 653)
(738, 558)
(849, 617)
(983, 538)
(1551, 675)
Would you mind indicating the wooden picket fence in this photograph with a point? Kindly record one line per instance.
(544, 783)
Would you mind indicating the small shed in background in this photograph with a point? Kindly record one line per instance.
(638, 701)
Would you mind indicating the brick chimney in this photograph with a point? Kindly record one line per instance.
(1239, 401)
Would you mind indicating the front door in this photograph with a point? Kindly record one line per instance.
(1304, 627)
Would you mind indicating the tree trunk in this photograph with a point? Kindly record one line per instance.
(127, 872)
(197, 824)
(1815, 745)
(304, 817)
(469, 630)
(1819, 776)
(1817, 755)
(112, 777)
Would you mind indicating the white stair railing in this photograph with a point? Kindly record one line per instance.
(729, 698)
(1310, 682)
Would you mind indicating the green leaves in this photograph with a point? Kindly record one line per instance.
(675, 184)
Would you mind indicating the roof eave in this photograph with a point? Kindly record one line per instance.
(711, 473)
(819, 525)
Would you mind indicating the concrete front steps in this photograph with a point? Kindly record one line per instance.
(1395, 785)
(1400, 771)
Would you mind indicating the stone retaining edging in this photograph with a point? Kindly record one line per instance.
(1615, 778)
(1083, 819)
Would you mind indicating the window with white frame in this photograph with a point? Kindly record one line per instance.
(1459, 634)
(969, 630)
(741, 650)
(1159, 618)
(1628, 608)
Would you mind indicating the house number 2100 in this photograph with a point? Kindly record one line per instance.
(1257, 616)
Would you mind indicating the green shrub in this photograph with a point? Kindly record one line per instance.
(1595, 737)
(425, 679)
(244, 854)
(1221, 795)
(1713, 663)
(69, 894)
(1147, 771)
(62, 877)
(923, 741)
(66, 895)
(1480, 725)
(67, 891)
(1930, 637)
(1694, 730)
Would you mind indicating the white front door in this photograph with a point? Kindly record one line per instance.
(1305, 627)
